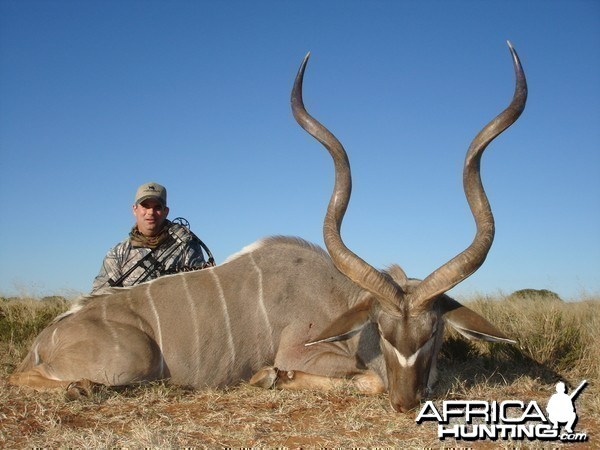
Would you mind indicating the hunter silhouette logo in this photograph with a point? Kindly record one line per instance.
(561, 406)
(510, 419)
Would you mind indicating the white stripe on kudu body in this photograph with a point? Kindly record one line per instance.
(195, 318)
(261, 303)
(159, 335)
(333, 300)
(225, 311)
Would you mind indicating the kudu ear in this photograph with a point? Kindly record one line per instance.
(469, 323)
(346, 325)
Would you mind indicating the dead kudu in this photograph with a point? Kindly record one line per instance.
(281, 312)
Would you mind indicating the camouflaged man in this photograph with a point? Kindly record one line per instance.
(155, 246)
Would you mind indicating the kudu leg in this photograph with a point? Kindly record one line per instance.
(367, 383)
(321, 367)
(36, 379)
(104, 352)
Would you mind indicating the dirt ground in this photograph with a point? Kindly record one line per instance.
(161, 416)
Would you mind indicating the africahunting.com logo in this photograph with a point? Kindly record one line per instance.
(511, 419)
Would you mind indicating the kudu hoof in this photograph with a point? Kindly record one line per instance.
(78, 390)
(265, 378)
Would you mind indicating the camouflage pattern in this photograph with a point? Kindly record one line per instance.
(184, 253)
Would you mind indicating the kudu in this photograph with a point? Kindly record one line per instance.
(281, 309)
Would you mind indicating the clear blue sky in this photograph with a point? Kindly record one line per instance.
(97, 97)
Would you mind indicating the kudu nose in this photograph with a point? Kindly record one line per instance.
(406, 405)
(405, 397)
(404, 408)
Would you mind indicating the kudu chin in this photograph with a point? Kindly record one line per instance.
(281, 312)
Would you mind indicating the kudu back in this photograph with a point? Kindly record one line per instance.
(281, 312)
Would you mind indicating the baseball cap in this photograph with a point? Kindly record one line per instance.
(151, 190)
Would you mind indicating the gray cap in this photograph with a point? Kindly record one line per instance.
(151, 190)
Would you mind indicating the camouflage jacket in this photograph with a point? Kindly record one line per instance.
(182, 252)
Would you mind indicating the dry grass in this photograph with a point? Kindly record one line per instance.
(556, 341)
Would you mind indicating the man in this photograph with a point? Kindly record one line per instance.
(561, 408)
(155, 245)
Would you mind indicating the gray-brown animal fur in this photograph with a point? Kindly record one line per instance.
(282, 312)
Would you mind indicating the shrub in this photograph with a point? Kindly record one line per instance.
(534, 294)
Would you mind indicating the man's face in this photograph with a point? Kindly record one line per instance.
(150, 215)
